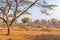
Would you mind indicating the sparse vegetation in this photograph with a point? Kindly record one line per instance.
(47, 37)
(18, 8)
(32, 34)
(12, 29)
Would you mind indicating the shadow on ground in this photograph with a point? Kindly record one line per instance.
(44, 37)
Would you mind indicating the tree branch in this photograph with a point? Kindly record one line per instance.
(26, 9)
(4, 13)
(23, 12)
(3, 20)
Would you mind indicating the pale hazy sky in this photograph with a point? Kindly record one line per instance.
(37, 15)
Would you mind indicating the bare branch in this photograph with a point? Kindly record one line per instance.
(12, 9)
(3, 20)
(26, 9)
(9, 4)
(22, 12)
(4, 13)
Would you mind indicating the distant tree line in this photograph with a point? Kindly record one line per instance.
(27, 23)
(43, 23)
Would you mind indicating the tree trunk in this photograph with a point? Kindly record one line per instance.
(3, 18)
(26, 28)
(9, 28)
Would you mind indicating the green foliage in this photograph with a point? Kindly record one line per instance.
(25, 20)
(8, 3)
(49, 6)
(28, 2)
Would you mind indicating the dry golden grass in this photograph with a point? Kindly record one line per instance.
(29, 34)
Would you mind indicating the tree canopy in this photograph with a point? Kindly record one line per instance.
(17, 8)
(25, 20)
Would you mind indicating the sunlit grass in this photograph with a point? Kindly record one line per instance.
(30, 34)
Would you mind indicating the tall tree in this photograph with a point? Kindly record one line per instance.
(18, 8)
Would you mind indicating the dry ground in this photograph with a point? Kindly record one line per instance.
(31, 34)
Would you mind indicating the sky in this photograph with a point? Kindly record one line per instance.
(37, 15)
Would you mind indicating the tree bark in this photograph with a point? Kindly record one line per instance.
(9, 28)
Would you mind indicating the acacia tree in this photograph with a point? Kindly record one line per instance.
(18, 8)
(25, 21)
